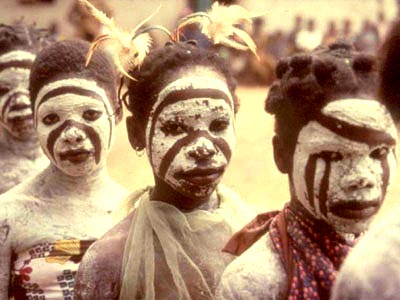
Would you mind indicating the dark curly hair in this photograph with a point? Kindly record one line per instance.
(307, 82)
(389, 71)
(21, 36)
(156, 70)
(66, 59)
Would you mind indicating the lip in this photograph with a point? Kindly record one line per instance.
(201, 176)
(76, 156)
(355, 209)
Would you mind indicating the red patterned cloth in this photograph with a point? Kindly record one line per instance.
(310, 250)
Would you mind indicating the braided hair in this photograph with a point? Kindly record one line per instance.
(307, 82)
(21, 36)
(159, 67)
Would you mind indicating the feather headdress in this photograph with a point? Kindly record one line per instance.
(219, 25)
(128, 49)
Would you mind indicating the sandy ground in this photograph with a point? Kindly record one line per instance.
(252, 172)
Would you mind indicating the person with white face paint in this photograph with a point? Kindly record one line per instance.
(48, 222)
(20, 153)
(183, 106)
(372, 269)
(337, 144)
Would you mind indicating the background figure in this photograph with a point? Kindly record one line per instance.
(331, 34)
(20, 153)
(310, 37)
(368, 38)
(48, 222)
(372, 270)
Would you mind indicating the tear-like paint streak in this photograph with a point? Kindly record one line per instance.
(324, 188)
(310, 177)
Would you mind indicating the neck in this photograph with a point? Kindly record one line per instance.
(55, 183)
(163, 192)
(29, 148)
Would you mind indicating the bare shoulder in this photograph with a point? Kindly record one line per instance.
(372, 269)
(98, 277)
(257, 274)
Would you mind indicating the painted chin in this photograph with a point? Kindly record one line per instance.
(355, 210)
(21, 127)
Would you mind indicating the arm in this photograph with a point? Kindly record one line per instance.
(5, 258)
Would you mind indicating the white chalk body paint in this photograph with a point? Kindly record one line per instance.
(355, 165)
(17, 55)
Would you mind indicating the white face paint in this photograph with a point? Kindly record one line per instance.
(343, 162)
(15, 108)
(190, 133)
(75, 124)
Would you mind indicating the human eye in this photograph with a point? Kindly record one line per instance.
(379, 153)
(92, 114)
(331, 155)
(218, 125)
(174, 127)
(51, 119)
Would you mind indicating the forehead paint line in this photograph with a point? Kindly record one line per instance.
(17, 55)
(89, 131)
(220, 143)
(83, 84)
(359, 134)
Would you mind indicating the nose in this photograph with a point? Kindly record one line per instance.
(73, 135)
(358, 178)
(202, 149)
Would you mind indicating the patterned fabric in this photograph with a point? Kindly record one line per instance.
(310, 250)
(317, 252)
(46, 271)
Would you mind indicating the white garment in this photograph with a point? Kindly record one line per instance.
(174, 255)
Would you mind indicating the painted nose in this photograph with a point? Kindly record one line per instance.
(203, 149)
(358, 178)
(73, 135)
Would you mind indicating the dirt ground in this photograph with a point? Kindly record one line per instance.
(252, 172)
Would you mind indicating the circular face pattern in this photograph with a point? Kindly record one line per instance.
(343, 163)
(75, 123)
(190, 133)
(15, 109)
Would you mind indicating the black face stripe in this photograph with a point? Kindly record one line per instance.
(385, 176)
(78, 91)
(89, 131)
(22, 64)
(220, 143)
(182, 95)
(324, 187)
(371, 137)
(10, 98)
(70, 90)
(310, 177)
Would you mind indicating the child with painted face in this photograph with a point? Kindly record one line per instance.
(48, 222)
(183, 107)
(336, 143)
(372, 270)
(20, 153)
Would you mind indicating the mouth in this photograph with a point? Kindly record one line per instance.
(21, 123)
(355, 209)
(201, 176)
(76, 156)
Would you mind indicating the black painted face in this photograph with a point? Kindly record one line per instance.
(75, 125)
(190, 133)
(343, 162)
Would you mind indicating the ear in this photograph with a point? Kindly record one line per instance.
(136, 134)
(282, 155)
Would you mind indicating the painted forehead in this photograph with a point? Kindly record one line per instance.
(16, 59)
(192, 87)
(356, 120)
(73, 87)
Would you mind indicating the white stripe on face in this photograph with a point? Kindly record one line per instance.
(331, 171)
(17, 55)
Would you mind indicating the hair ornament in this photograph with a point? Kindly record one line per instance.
(218, 24)
(128, 49)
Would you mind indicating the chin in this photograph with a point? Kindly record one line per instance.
(350, 226)
(76, 170)
(196, 192)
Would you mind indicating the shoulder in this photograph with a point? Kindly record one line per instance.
(257, 274)
(98, 277)
(372, 269)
